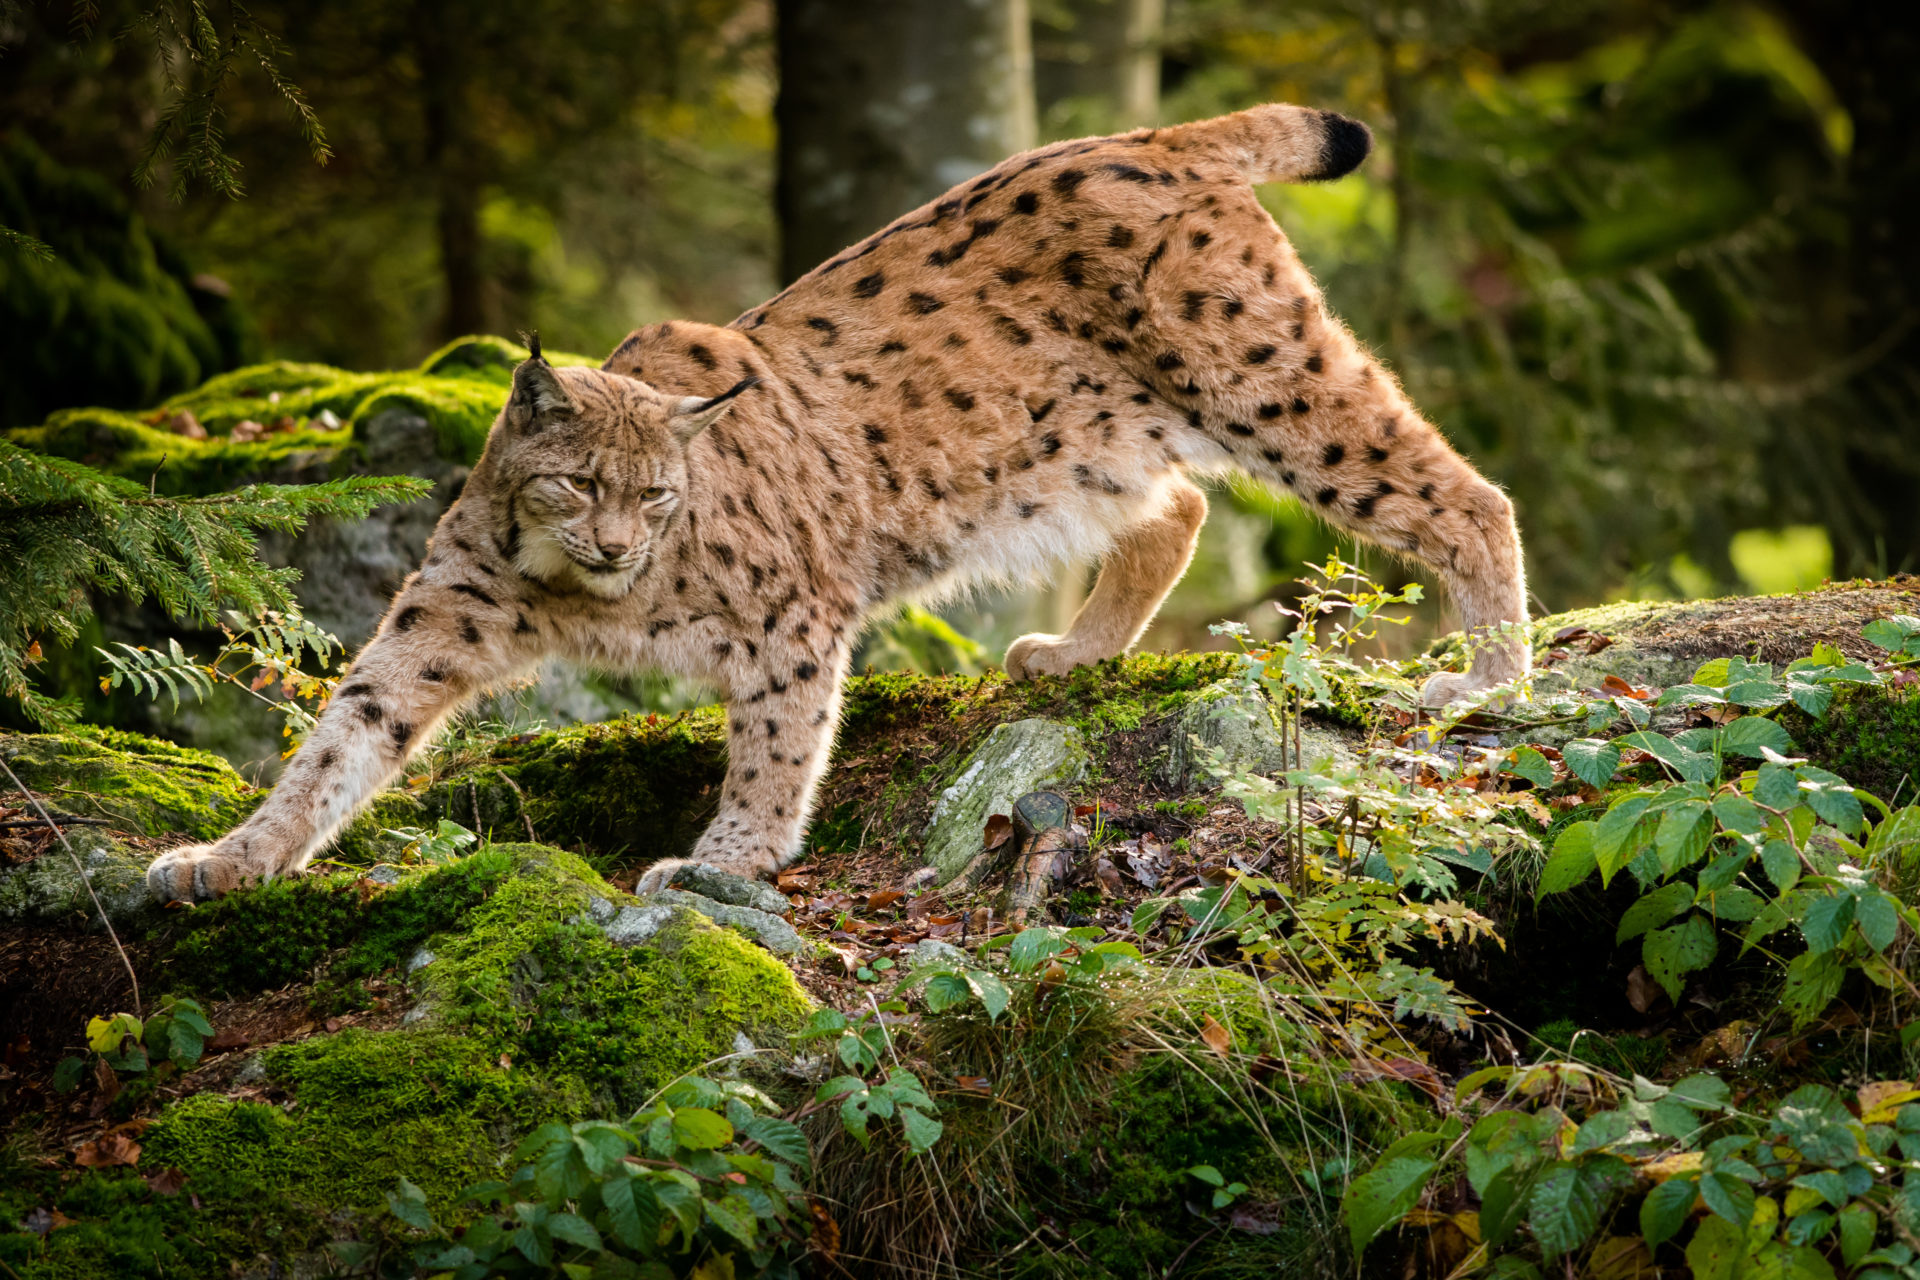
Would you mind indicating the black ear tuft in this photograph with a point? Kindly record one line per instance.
(1344, 144)
(531, 341)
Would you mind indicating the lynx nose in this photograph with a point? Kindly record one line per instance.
(613, 550)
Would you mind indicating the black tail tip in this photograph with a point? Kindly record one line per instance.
(1344, 143)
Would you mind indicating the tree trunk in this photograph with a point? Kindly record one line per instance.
(1096, 65)
(450, 162)
(1868, 52)
(884, 105)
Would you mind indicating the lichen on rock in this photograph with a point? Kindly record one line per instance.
(1017, 757)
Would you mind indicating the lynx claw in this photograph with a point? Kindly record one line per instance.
(193, 873)
(660, 875)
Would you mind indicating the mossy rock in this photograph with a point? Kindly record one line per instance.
(49, 890)
(1869, 736)
(141, 785)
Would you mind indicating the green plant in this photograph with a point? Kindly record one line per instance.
(445, 843)
(67, 530)
(271, 647)
(1224, 1192)
(169, 1039)
(703, 1181)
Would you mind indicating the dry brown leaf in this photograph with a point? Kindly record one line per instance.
(1109, 877)
(1217, 1037)
(107, 1151)
(1643, 993)
(884, 898)
(167, 1182)
(1598, 643)
(977, 1084)
(1615, 685)
(999, 830)
(227, 1038)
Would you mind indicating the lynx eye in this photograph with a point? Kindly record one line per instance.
(584, 484)
(652, 492)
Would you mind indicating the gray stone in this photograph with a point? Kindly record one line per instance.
(252, 1071)
(1229, 729)
(420, 960)
(49, 890)
(600, 910)
(1023, 756)
(385, 873)
(773, 933)
(724, 886)
(632, 926)
(932, 951)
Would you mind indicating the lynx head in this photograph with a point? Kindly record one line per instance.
(590, 469)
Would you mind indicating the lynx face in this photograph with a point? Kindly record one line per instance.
(598, 469)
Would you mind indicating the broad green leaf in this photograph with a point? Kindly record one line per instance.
(734, 1215)
(1824, 924)
(1684, 832)
(1503, 1206)
(1693, 766)
(1777, 1261)
(1829, 1185)
(1716, 1250)
(1757, 693)
(1776, 787)
(1702, 1092)
(559, 1171)
(1148, 914)
(1746, 735)
(1382, 1196)
(1814, 699)
(1735, 905)
(1892, 634)
(632, 1211)
(1878, 916)
(782, 1139)
(1857, 1227)
(922, 1130)
(1739, 814)
(574, 1230)
(993, 993)
(1525, 762)
(1654, 909)
(945, 990)
(1666, 1209)
(701, 1129)
(1812, 983)
(1712, 673)
(1832, 799)
(1602, 1129)
(1672, 953)
(1208, 1174)
(1572, 860)
(105, 1034)
(1617, 838)
(1564, 1208)
(1033, 947)
(1781, 864)
(1728, 1196)
(409, 1204)
(1591, 760)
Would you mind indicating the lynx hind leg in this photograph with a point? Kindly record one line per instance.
(1136, 575)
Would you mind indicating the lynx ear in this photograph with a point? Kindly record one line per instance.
(694, 414)
(537, 396)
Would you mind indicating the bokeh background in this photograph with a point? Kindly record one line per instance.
(1652, 266)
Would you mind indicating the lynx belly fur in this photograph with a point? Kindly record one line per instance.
(1028, 369)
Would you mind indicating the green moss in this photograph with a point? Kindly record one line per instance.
(285, 931)
(1123, 693)
(360, 843)
(1626, 1055)
(525, 976)
(140, 784)
(1869, 736)
(485, 356)
(367, 1108)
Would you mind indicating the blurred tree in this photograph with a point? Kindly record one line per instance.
(1096, 64)
(884, 104)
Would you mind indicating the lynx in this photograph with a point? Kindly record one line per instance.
(1030, 368)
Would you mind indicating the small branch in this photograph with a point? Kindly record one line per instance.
(85, 879)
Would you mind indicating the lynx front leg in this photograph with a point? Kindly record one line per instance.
(434, 650)
(777, 746)
(1134, 578)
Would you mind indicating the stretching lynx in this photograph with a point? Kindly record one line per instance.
(1025, 370)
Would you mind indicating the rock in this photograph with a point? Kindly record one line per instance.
(141, 785)
(773, 933)
(932, 951)
(1023, 756)
(724, 886)
(385, 873)
(631, 926)
(420, 960)
(49, 891)
(1237, 732)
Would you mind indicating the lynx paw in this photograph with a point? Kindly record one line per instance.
(1043, 655)
(1453, 686)
(661, 875)
(194, 873)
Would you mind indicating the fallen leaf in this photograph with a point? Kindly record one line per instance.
(1108, 876)
(227, 1038)
(1615, 685)
(999, 830)
(1418, 1074)
(1216, 1036)
(1565, 634)
(1598, 643)
(334, 1024)
(167, 1182)
(1621, 1258)
(1882, 1099)
(1673, 1166)
(1643, 993)
(506, 1061)
(825, 1239)
(884, 898)
(977, 1084)
(105, 1152)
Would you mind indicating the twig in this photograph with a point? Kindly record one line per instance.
(524, 815)
(85, 879)
(64, 820)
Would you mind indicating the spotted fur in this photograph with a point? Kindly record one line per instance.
(1028, 369)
